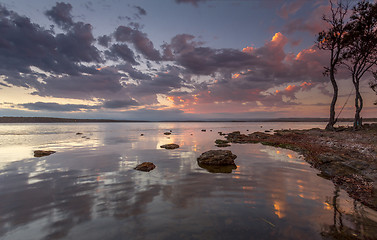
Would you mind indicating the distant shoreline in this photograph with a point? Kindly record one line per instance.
(73, 120)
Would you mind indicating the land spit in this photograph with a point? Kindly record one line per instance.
(345, 156)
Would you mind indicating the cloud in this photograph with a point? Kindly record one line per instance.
(123, 52)
(120, 103)
(56, 107)
(61, 15)
(193, 2)
(104, 40)
(140, 41)
(290, 8)
(140, 10)
(311, 23)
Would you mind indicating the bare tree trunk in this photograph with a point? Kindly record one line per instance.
(332, 120)
(359, 106)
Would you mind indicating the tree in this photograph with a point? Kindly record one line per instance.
(373, 84)
(361, 50)
(333, 40)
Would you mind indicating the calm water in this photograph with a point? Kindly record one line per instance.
(89, 190)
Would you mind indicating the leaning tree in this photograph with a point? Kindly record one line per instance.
(361, 48)
(333, 40)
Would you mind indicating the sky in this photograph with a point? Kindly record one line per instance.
(168, 60)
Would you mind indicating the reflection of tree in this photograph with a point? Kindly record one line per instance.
(348, 225)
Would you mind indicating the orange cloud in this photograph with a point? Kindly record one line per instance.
(248, 49)
(236, 75)
(290, 88)
(305, 51)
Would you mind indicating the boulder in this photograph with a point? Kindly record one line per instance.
(217, 157)
(145, 166)
(42, 153)
(170, 146)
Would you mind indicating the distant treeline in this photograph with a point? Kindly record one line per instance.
(71, 120)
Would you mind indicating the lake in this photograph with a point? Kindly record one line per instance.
(88, 189)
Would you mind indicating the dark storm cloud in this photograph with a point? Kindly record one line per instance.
(61, 15)
(104, 40)
(140, 41)
(120, 103)
(204, 60)
(24, 44)
(56, 107)
(77, 44)
(123, 52)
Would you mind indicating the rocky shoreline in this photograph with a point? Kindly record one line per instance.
(345, 156)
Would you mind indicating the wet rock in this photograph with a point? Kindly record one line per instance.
(167, 133)
(203, 130)
(223, 145)
(220, 141)
(170, 146)
(141, 134)
(79, 133)
(42, 153)
(267, 131)
(145, 166)
(217, 157)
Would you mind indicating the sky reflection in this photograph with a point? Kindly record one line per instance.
(94, 193)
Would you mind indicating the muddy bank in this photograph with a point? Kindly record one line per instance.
(345, 156)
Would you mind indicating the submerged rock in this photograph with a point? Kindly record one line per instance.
(217, 157)
(145, 166)
(170, 146)
(42, 153)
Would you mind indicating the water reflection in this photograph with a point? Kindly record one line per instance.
(94, 193)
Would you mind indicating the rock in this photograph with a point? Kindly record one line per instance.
(42, 153)
(203, 130)
(170, 146)
(267, 131)
(145, 166)
(167, 133)
(223, 145)
(141, 134)
(220, 141)
(217, 157)
(79, 133)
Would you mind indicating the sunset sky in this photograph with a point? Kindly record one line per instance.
(167, 60)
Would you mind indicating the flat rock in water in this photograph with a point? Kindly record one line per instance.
(170, 146)
(217, 157)
(223, 145)
(145, 166)
(42, 153)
